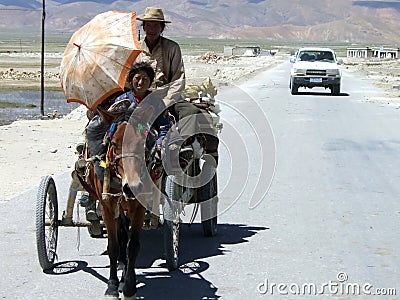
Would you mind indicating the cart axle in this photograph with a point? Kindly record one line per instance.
(75, 224)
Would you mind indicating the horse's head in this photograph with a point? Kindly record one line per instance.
(128, 153)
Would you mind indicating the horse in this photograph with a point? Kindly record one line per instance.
(123, 207)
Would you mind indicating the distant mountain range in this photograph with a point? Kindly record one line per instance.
(371, 22)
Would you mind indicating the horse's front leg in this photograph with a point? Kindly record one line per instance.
(136, 214)
(112, 226)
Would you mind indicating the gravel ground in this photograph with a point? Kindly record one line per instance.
(384, 73)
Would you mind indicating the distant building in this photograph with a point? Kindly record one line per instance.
(367, 52)
(382, 52)
(228, 50)
(363, 52)
(242, 50)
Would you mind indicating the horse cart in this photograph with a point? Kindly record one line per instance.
(128, 204)
(177, 191)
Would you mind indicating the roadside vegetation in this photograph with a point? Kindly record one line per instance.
(8, 104)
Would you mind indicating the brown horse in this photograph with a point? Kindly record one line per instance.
(122, 204)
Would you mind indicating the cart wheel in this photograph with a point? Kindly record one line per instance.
(47, 222)
(209, 207)
(171, 223)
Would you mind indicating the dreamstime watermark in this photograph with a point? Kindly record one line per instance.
(340, 286)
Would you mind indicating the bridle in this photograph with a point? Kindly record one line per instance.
(129, 154)
(114, 158)
(114, 162)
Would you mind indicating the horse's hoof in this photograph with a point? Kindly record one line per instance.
(128, 298)
(111, 295)
(112, 290)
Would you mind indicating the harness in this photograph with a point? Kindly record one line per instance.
(111, 159)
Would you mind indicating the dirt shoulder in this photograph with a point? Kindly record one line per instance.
(384, 73)
(231, 69)
(22, 70)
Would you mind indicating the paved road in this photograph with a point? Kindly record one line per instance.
(330, 218)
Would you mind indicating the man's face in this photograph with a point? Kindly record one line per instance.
(152, 29)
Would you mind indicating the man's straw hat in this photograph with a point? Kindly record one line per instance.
(153, 14)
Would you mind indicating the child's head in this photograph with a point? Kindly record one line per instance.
(141, 77)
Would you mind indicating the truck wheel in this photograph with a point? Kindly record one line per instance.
(294, 89)
(335, 89)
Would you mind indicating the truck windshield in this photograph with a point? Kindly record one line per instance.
(316, 56)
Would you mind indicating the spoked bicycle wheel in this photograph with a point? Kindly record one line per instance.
(171, 223)
(47, 222)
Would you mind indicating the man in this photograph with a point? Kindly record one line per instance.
(165, 57)
(163, 54)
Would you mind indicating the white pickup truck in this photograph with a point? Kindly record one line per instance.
(315, 67)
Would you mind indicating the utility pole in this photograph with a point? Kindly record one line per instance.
(42, 63)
